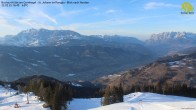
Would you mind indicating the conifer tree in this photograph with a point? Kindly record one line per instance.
(158, 88)
(120, 93)
(106, 100)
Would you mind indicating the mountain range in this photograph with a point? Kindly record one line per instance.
(68, 55)
(171, 42)
(44, 37)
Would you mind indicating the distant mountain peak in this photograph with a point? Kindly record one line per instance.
(44, 37)
(32, 30)
(29, 30)
(171, 42)
(40, 37)
(171, 35)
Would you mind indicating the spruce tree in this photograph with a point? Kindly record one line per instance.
(120, 93)
(158, 88)
(56, 103)
(106, 100)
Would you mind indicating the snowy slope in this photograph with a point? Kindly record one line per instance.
(84, 104)
(151, 101)
(134, 101)
(8, 100)
(138, 101)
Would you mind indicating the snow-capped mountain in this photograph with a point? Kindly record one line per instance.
(171, 42)
(171, 36)
(41, 37)
(44, 37)
(118, 39)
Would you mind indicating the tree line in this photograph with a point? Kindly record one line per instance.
(112, 95)
(165, 88)
(56, 95)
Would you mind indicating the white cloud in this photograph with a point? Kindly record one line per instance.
(44, 15)
(70, 13)
(101, 24)
(65, 13)
(3, 12)
(33, 17)
(112, 26)
(154, 5)
(112, 23)
(7, 28)
(33, 24)
(41, 16)
(110, 11)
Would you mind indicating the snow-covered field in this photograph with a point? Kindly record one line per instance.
(84, 104)
(8, 100)
(134, 101)
(138, 101)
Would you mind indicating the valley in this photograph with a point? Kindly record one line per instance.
(76, 70)
(68, 55)
(60, 53)
(97, 55)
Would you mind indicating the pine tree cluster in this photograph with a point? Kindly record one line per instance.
(165, 88)
(112, 95)
(54, 94)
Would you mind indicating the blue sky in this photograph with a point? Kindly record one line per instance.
(138, 18)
